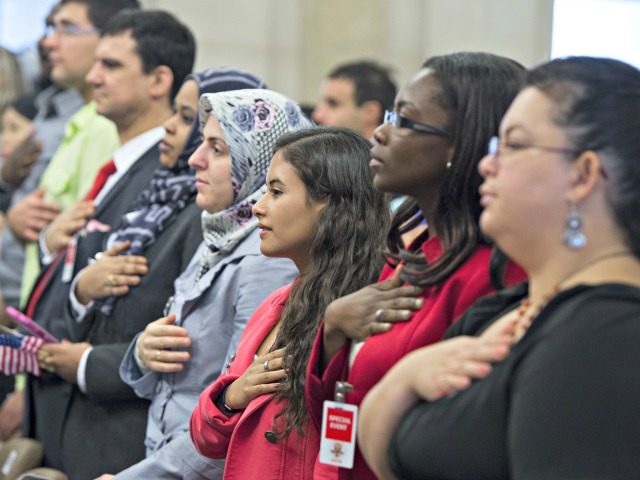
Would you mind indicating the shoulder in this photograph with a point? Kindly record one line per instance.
(586, 327)
(594, 305)
(280, 296)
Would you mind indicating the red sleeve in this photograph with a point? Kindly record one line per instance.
(210, 428)
(320, 386)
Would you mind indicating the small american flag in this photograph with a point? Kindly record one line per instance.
(18, 354)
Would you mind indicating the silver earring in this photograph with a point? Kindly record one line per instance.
(448, 164)
(574, 238)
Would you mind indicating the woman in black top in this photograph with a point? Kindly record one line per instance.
(561, 387)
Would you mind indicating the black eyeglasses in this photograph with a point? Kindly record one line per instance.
(398, 121)
(495, 147)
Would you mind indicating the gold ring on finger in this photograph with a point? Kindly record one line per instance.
(157, 355)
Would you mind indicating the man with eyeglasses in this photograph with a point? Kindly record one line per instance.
(88, 420)
(74, 146)
(90, 138)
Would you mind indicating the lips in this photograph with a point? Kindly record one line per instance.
(485, 195)
(262, 230)
(164, 147)
(375, 159)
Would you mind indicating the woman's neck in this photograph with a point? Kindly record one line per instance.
(428, 209)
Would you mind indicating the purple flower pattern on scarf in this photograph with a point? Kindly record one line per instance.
(243, 118)
(263, 115)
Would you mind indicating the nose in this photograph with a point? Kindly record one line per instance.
(198, 160)
(93, 75)
(170, 124)
(488, 165)
(258, 207)
(381, 134)
(318, 115)
(48, 41)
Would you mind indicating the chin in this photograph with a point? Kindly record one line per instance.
(167, 161)
(486, 225)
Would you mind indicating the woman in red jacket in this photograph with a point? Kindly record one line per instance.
(428, 149)
(322, 212)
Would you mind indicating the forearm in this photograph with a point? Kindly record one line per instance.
(333, 340)
(380, 413)
(210, 428)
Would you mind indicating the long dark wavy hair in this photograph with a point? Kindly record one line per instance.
(476, 90)
(347, 251)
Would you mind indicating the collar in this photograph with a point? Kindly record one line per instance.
(127, 154)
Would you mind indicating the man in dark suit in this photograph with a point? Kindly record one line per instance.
(88, 420)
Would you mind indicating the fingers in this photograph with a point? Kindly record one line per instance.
(262, 389)
(276, 353)
(379, 327)
(133, 266)
(275, 376)
(117, 249)
(392, 311)
(393, 282)
(40, 218)
(30, 234)
(160, 336)
(39, 205)
(166, 357)
(121, 280)
(502, 330)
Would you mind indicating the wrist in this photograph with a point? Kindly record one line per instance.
(82, 297)
(223, 406)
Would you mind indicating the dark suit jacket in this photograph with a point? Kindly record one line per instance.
(111, 429)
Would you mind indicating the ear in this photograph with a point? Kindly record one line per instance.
(371, 112)
(161, 82)
(585, 176)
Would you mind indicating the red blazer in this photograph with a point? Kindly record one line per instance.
(241, 438)
(443, 304)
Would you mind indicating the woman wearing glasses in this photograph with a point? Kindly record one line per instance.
(428, 150)
(560, 196)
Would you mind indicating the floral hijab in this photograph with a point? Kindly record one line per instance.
(252, 122)
(172, 189)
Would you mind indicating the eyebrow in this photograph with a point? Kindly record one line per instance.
(404, 103)
(213, 138)
(274, 181)
(187, 108)
(514, 127)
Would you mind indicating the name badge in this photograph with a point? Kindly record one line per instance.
(338, 440)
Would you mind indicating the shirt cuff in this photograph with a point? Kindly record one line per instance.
(136, 356)
(82, 368)
(46, 257)
(78, 310)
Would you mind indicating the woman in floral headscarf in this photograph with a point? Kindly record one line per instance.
(176, 356)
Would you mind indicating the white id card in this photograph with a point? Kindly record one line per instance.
(338, 440)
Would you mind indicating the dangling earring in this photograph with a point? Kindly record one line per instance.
(574, 238)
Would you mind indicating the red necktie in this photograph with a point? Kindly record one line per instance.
(104, 173)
